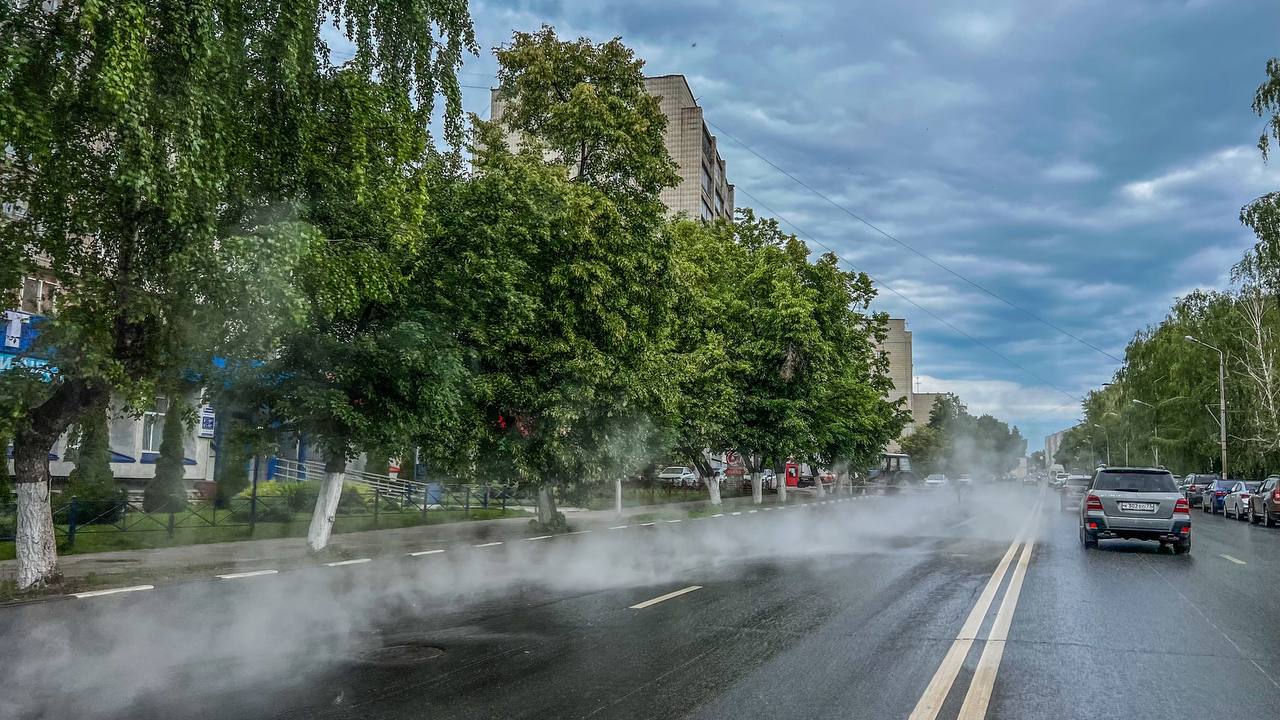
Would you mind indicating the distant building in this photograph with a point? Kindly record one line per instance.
(897, 346)
(1051, 445)
(922, 407)
(704, 190)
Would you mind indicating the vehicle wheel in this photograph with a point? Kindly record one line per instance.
(1266, 517)
(1085, 542)
(1183, 547)
(1253, 519)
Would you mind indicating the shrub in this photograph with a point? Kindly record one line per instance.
(96, 504)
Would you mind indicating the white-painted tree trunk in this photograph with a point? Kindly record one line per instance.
(757, 489)
(617, 496)
(782, 487)
(817, 482)
(35, 545)
(326, 510)
(713, 487)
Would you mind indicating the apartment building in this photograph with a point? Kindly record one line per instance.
(897, 345)
(704, 190)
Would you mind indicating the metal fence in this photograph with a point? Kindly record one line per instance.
(287, 497)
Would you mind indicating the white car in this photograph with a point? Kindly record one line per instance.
(935, 481)
(678, 476)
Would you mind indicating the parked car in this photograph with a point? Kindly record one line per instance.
(1214, 495)
(1193, 486)
(768, 481)
(1135, 503)
(1264, 505)
(1236, 504)
(936, 481)
(678, 476)
(1072, 492)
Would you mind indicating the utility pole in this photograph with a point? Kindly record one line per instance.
(1222, 400)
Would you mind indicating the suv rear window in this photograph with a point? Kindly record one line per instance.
(1135, 482)
(1078, 482)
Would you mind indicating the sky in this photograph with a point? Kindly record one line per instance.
(1072, 166)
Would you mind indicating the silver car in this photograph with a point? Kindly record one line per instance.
(1072, 491)
(1137, 504)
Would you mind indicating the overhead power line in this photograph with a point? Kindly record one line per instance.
(936, 263)
(977, 341)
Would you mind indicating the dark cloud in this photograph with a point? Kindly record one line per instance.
(1084, 159)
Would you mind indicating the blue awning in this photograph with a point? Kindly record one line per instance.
(9, 454)
(150, 458)
(117, 457)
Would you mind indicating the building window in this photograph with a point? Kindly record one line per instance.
(153, 426)
(719, 203)
(38, 296)
(706, 181)
(706, 211)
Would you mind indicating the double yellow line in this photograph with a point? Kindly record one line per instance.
(984, 676)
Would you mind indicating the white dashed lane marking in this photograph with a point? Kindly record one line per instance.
(663, 598)
(340, 563)
(113, 591)
(251, 573)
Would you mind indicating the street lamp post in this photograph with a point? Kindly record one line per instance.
(1156, 408)
(1222, 400)
(1107, 435)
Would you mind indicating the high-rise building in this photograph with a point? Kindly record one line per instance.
(704, 190)
(897, 345)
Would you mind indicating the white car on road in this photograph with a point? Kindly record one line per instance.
(936, 481)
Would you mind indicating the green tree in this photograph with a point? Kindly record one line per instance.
(586, 105)
(92, 454)
(167, 490)
(156, 146)
(572, 309)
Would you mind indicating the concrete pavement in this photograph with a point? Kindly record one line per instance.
(185, 562)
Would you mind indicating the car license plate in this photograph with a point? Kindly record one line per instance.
(1137, 507)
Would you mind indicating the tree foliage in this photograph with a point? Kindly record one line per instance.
(955, 441)
(160, 150)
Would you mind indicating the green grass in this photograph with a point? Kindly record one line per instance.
(147, 535)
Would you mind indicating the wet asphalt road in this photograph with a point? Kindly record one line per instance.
(853, 625)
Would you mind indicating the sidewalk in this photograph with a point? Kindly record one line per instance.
(192, 561)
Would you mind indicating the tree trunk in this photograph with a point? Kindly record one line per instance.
(713, 487)
(327, 502)
(708, 475)
(782, 487)
(617, 496)
(757, 488)
(35, 544)
(546, 506)
(817, 482)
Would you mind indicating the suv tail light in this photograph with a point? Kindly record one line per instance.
(1275, 495)
(1182, 506)
(1219, 493)
(1092, 503)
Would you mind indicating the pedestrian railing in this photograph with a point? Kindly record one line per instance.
(289, 498)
